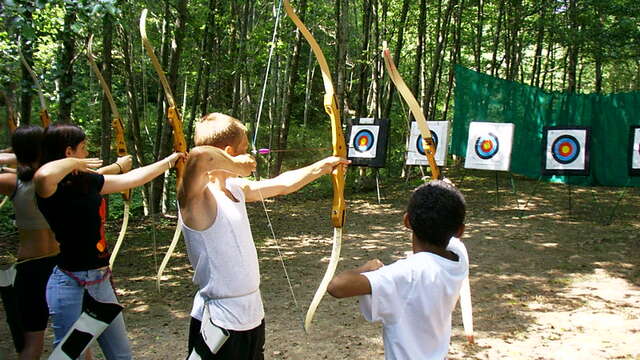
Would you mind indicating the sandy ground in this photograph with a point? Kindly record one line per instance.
(553, 280)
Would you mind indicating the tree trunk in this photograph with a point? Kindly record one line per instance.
(572, 51)
(26, 96)
(496, 40)
(204, 59)
(367, 17)
(437, 55)
(66, 64)
(289, 94)
(479, 30)
(397, 52)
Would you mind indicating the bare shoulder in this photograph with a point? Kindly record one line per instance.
(7, 183)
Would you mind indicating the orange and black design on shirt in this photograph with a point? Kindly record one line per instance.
(102, 244)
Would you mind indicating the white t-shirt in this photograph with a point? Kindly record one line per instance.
(414, 298)
(225, 264)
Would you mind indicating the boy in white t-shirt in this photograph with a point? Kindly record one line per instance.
(217, 233)
(414, 297)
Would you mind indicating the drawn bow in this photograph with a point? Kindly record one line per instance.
(44, 114)
(173, 116)
(430, 151)
(121, 146)
(339, 147)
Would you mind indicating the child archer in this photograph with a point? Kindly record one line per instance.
(218, 235)
(414, 297)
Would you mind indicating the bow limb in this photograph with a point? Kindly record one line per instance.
(430, 151)
(427, 140)
(179, 143)
(44, 114)
(338, 175)
(121, 145)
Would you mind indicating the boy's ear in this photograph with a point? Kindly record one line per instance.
(230, 150)
(68, 151)
(407, 224)
(460, 231)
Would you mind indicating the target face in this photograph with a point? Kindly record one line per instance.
(634, 149)
(415, 147)
(566, 151)
(489, 146)
(363, 142)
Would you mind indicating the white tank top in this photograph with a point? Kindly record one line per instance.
(225, 264)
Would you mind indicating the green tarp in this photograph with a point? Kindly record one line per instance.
(480, 97)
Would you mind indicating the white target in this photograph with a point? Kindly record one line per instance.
(566, 151)
(489, 146)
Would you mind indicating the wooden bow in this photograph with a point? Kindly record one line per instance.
(44, 114)
(173, 116)
(121, 146)
(339, 147)
(427, 140)
(430, 151)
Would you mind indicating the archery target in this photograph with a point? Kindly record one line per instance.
(415, 148)
(489, 146)
(634, 148)
(363, 142)
(566, 151)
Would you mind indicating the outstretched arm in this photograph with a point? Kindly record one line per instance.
(192, 197)
(121, 166)
(50, 174)
(291, 181)
(139, 176)
(352, 282)
(8, 159)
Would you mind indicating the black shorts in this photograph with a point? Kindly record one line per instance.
(31, 288)
(241, 345)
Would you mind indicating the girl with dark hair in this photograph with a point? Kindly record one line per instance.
(69, 195)
(38, 247)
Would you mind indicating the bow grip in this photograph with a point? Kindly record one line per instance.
(121, 148)
(430, 150)
(179, 143)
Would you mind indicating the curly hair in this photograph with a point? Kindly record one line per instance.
(436, 211)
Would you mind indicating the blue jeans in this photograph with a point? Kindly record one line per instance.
(64, 297)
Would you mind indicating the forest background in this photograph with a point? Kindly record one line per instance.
(216, 53)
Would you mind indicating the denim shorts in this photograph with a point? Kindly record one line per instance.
(64, 297)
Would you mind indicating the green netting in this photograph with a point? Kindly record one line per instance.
(481, 97)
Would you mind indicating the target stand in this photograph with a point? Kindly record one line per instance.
(367, 145)
(566, 152)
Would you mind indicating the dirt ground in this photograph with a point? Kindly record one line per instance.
(552, 280)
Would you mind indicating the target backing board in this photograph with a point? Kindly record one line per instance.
(415, 148)
(634, 148)
(566, 151)
(489, 146)
(368, 138)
